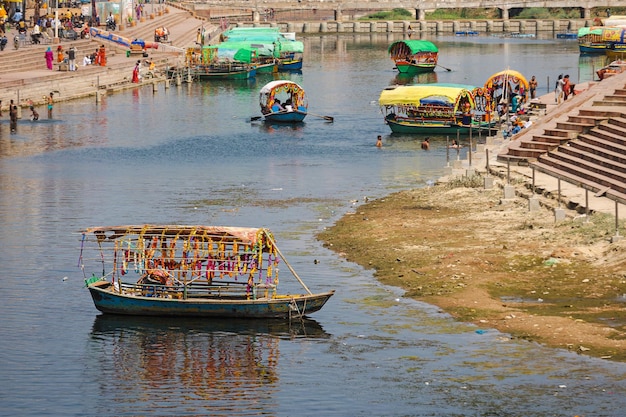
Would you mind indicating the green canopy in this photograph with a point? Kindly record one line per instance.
(262, 48)
(412, 46)
(240, 54)
(594, 30)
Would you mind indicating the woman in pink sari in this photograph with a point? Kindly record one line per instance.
(49, 58)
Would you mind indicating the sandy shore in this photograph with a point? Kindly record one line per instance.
(494, 263)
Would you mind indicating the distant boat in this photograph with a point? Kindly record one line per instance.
(190, 271)
(466, 33)
(209, 63)
(567, 35)
(414, 56)
(287, 51)
(602, 39)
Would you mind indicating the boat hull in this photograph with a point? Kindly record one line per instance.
(435, 127)
(286, 117)
(281, 307)
(290, 65)
(592, 48)
(267, 68)
(414, 69)
(205, 73)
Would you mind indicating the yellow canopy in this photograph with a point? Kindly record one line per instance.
(416, 95)
(510, 76)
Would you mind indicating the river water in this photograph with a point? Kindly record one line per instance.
(190, 155)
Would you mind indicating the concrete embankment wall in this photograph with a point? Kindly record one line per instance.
(442, 26)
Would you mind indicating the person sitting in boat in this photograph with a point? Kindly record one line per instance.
(158, 275)
(277, 107)
(288, 105)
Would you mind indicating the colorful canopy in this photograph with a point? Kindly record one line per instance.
(293, 90)
(416, 95)
(605, 33)
(442, 95)
(509, 76)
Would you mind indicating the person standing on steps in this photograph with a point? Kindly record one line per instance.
(71, 56)
(532, 86)
(102, 56)
(136, 72)
(49, 58)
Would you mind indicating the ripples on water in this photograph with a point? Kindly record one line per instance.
(191, 155)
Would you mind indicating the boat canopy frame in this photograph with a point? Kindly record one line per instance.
(428, 101)
(267, 95)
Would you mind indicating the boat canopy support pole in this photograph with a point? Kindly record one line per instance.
(295, 274)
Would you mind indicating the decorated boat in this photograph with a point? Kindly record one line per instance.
(195, 271)
(283, 101)
(207, 63)
(414, 56)
(287, 50)
(436, 108)
(601, 39)
(508, 88)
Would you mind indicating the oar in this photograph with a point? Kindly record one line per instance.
(447, 69)
(327, 118)
(255, 118)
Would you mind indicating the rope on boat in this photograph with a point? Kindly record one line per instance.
(293, 306)
(295, 274)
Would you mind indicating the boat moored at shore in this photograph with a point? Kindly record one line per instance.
(193, 271)
(436, 108)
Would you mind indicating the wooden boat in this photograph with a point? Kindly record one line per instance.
(194, 271)
(567, 35)
(206, 64)
(599, 39)
(287, 51)
(283, 101)
(615, 67)
(414, 56)
(436, 108)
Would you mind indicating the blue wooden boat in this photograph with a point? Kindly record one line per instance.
(190, 271)
(282, 101)
(567, 35)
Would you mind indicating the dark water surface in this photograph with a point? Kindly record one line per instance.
(190, 155)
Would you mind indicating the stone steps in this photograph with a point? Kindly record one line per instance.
(583, 179)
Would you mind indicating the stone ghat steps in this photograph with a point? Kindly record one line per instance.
(68, 86)
(33, 56)
(551, 138)
(604, 107)
(595, 160)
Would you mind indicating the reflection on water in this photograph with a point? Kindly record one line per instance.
(194, 364)
(408, 79)
(589, 64)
